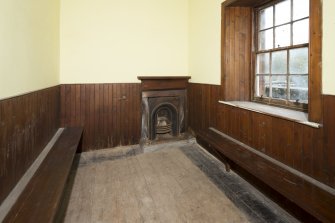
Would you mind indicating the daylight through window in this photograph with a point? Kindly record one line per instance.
(282, 49)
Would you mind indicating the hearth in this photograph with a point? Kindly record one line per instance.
(164, 108)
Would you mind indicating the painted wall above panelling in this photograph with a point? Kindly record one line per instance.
(204, 51)
(328, 56)
(114, 41)
(205, 41)
(29, 46)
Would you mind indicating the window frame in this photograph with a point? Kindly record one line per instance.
(315, 97)
(255, 42)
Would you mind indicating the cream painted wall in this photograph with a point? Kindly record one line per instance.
(328, 54)
(115, 41)
(205, 41)
(204, 51)
(29, 46)
(105, 41)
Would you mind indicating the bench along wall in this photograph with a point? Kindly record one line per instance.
(308, 150)
(27, 123)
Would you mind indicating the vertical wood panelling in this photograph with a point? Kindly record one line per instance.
(109, 113)
(27, 123)
(315, 61)
(304, 148)
(236, 50)
(329, 137)
(262, 134)
(202, 101)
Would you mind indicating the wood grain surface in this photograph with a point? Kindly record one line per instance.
(27, 123)
(109, 113)
(41, 198)
(304, 148)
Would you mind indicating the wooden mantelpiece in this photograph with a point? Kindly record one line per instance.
(167, 94)
(150, 83)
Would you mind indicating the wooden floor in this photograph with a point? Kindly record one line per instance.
(166, 184)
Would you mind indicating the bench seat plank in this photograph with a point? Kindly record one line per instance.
(308, 194)
(42, 196)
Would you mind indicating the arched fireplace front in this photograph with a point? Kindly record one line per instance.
(164, 107)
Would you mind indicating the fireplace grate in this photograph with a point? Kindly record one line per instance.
(163, 125)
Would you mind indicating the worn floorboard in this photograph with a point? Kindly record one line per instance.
(174, 182)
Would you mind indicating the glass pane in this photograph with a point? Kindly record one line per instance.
(300, 9)
(265, 41)
(262, 86)
(299, 61)
(279, 62)
(301, 32)
(283, 12)
(279, 87)
(266, 18)
(263, 63)
(283, 36)
(299, 88)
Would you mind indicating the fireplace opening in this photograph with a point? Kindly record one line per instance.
(165, 121)
(164, 108)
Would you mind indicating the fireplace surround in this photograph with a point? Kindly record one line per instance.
(164, 107)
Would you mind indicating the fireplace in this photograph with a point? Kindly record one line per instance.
(164, 108)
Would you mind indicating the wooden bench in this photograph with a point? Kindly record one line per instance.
(40, 200)
(313, 196)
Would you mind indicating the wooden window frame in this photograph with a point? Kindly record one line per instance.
(315, 57)
(255, 26)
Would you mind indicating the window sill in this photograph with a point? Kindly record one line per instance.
(288, 114)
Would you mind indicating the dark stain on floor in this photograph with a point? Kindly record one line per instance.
(241, 193)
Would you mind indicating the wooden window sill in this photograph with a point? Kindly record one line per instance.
(284, 113)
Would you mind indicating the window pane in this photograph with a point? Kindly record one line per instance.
(301, 32)
(283, 36)
(299, 88)
(279, 62)
(299, 61)
(283, 12)
(263, 62)
(279, 86)
(262, 86)
(265, 41)
(266, 18)
(300, 9)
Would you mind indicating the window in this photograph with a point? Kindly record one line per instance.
(243, 23)
(282, 53)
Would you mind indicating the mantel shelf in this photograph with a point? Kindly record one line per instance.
(150, 83)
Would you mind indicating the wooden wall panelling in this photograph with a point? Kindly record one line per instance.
(234, 87)
(296, 145)
(202, 102)
(315, 61)
(282, 140)
(329, 137)
(215, 96)
(299, 142)
(304, 148)
(27, 124)
(245, 127)
(192, 106)
(220, 121)
(261, 133)
(110, 113)
(236, 53)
